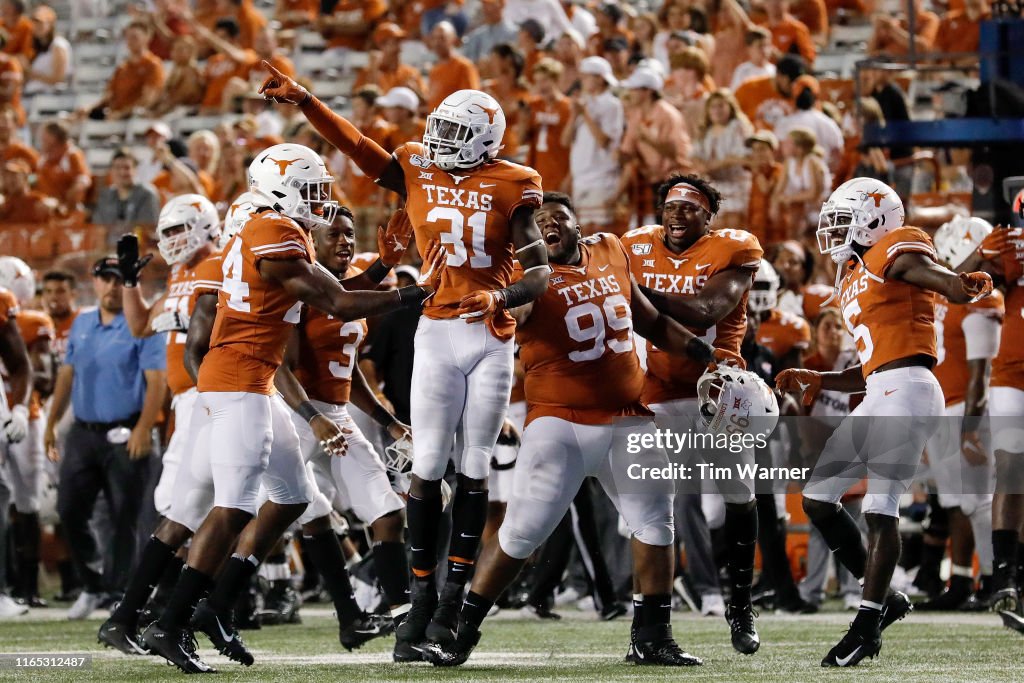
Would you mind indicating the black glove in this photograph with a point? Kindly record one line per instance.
(128, 260)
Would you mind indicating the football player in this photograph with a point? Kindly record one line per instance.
(574, 339)
(967, 339)
(701, 278)
(786, 335)
(886, 294)
(481, 209)
(25, 466)
(268, 272)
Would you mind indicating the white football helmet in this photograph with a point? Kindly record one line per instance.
(959, 238)
(464, 130)
(293, 180)
(238, 214)
(16, 276)
(398, 463)
(764, 293)
(186, 223)
(860, 211)
(734, 401)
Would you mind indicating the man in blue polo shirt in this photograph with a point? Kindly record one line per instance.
(116, 385)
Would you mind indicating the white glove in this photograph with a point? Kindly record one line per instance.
(171, 321)
(16, 426)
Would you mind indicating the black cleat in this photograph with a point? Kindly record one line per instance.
(1012, 620)
(897, 605)
(121, 637)
(364, 629)
(542, 611)
(222, 633)
(281, 605)
(951, 599)
(445, 620)
(741, 622)
(177, 647)
(852, 648)
(665, 652)
(412, 632)
(613, 611)
(457, 651)
(797, 605)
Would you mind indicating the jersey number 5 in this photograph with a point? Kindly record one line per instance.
(456, 237)
(613, 314)
(861, 333)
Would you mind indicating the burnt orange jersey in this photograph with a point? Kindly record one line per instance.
(180, 283)
(654, 266)
(951, 341)
(254, 316)
(782, 332)
(209, 277)
(891, 319)
(1006, 247)
(577, 344)
(469, 211)
(548, 118)
(8, 306)
(35, 326)
(62, 326)
(328, 349)
(814, 298)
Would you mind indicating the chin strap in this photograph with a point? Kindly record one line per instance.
(839, 277)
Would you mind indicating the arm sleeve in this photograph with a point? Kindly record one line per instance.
(905, 241)
(278, 239)
(370, 157)
(528, 193)
(748, 253)
(209, 278)
(981, 332)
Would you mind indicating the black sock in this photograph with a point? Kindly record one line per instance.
(1004, 550)
(638, 613)
(656, 610)
(868, 619)
(190, 589)
(1020, 564)
(469, 515)
(424, 517)
(931, 559)
(843, 538)
(392, 566)
(170, 577)
(156, 557)
(741, 535)
(475, 608)
(233, 579)
(324, 549)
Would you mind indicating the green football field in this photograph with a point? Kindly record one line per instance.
(946, 647)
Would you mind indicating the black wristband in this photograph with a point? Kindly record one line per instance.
(412, 296)
(972, 423)
(377, 271)
(307, 411)
(381, 416)
(516, 295)
(700, 350)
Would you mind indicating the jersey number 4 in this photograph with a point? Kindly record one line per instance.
(456, 236)
(237, 289)
(613, 314)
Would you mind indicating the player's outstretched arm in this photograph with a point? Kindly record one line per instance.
(371, 158)
(810, 382)
(666, 333)
(921, 271)
(392, 243)
(721, 294)
(330, 435)
(200, 327)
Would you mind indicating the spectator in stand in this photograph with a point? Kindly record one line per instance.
(385, 68)
(721, 152)
(11, 147)
(616, 51)
(232, 177)
(365, 197)
(688, 85)
(508, 87)
(731, 28)
(18, 27)
(155, 137)
(766, 99)
(568, 51)
(350, 24)
(814, 15)
(529, 40)
(401, 106)
(807, 115)
(296, 13)
(12, 81)
(227, 72)
(204, 152)
(62, 172)
(21, 204)
(795, 265)
(178, 174)
(250, 20)
(758, 41)
(168, 20)
(50, 68)
(611, 25)
(494, 29)
(435, 11)
(655, 144)
(869, 162)
(452, 71)
(766, 175)
(789, 34)
(126, 204)
(548, 13)
(644, 27)
(593, 135)
(543, 125)
(137, 82)
(184, 85)
(960, 30)
(892, 33)
(582, 20)
(892, 100)
(807, 183)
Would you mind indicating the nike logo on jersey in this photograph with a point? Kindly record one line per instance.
(483, 185)
(676, 262)
(702, 266)
(890, 391)
(843, 661)
(604, 268)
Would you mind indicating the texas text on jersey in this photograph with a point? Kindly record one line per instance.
(671, 377)
(254, 318)
(469, 211)
(577, 345)
(889, 319)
